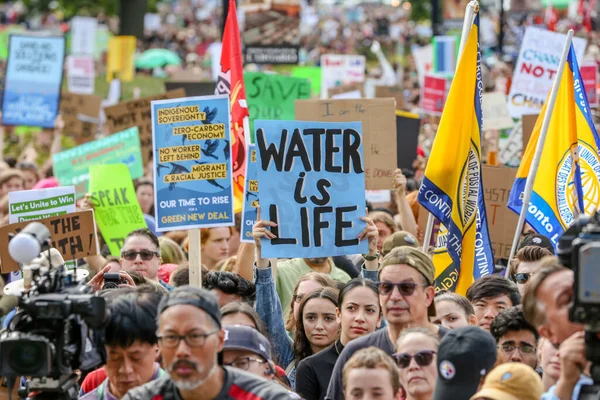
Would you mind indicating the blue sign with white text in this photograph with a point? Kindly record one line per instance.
(312, 185)
(34, 72)
(192, 159)
(249, 212)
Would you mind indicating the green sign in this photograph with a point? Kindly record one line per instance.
(72, 167)
(311, 73)
(4, 36)
(272, 97)
(116, 207)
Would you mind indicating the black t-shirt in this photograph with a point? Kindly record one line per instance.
(237, 385)
(314, 373)
(379, 339)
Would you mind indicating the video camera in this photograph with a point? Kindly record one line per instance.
(57, 328)
(579, 250)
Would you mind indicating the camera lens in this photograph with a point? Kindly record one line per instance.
(27, 358)
(110, 285)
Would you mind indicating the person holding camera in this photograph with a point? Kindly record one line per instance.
(131, 345)
(190, 340)
(546, 307)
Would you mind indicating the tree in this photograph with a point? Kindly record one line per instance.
(71, 8)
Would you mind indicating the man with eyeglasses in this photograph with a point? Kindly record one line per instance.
(406, 290)
(190, 339)
(246, 349)
(516, 338)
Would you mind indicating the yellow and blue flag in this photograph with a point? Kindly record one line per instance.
(452, 188)
(567, 180)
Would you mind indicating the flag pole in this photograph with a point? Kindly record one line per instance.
(195, 257)
(470, 11)
(540, 146)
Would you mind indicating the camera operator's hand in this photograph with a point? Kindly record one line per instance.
(128, 278)
(98, 280)
(572, 364)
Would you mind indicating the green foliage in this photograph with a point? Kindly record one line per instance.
(421, 9)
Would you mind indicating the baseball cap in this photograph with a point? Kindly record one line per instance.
(192, 296)
(465, 356)
(414, 258)
(398, 239)
(239, 337)
(512, 381)
(535, 239)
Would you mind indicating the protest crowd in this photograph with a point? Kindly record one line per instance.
(321, 201)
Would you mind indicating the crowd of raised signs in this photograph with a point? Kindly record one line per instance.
(365, 326)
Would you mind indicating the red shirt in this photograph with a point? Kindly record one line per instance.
(93, 380)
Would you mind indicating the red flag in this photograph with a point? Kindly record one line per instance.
(231, 82)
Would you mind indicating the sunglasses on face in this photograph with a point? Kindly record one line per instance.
(405, 288)
(522, 278)
(146, 255)
(422, 358)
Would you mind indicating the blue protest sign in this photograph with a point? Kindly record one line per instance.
(312, 185)
(250, 197)
(34, 73)
(192, 158)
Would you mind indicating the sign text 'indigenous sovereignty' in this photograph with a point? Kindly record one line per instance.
(193, 165)
(33, 79)
(137, 113)
(312, 185)
(73, 235)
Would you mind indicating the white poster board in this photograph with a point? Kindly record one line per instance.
(83, 35)
(30, 205)
(338, 70)
(81, 74)
(536, 69)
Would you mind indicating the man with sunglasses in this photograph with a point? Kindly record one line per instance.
(405, 284)
(516, 338)
(141, 253)
(190, 339)
(525, 264)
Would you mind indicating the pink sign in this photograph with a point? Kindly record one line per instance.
(433, 94)
(589, 74)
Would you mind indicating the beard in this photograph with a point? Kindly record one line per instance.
(190, 383)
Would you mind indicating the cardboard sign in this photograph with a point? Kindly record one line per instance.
(536, 69)
(383, 92)
(312, 185)
(33, 80)
(115, 203)
(80, 114)
(72, 167)
(81, 77)
(528, 125)
(270, 31)
(83, 35)
(273, 96)
(338, 70)
(378, 117)
(495, 112)
(249, 212)
(29, 205)
(355, 90)
(137, 113)
(502, 222)
(193, 164)
(433, 95)
(120, 60)
(407, 139)
(73, 235)
(589, 74)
